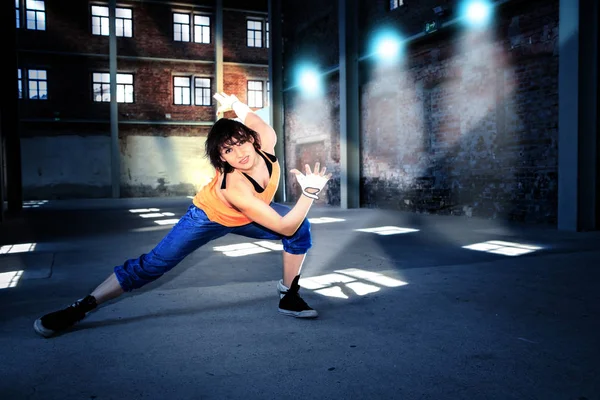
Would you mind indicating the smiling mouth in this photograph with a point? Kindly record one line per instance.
(244, 160)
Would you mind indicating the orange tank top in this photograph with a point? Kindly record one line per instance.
(217, 211)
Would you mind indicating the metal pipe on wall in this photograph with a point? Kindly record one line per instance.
(219, 48)
(276, 92)
(115, 154)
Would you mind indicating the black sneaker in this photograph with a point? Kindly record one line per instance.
(292, 304)
(61, 320)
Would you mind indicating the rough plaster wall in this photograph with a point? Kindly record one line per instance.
(311, 125)
(466, 126)
(66, 166)
(163, 166)
(79, 167)
(315, 127)
(471, 134)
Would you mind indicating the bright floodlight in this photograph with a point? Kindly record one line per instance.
(309, 80)
(386, 46)
(476, 13)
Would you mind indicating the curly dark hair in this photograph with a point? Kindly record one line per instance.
(226, 132)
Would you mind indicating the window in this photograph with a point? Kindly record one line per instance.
(188, 90)
(267, 34)
(123, 21)
(20, 83)
(182, 90)
(255, 33)
(38, 84)
(101, 87)
(268, 94)
(18, 10)
(35, 15)
(255, 94)
(202, 92)
(395, 4)
(181, 27)
(124, 88)
(201, 29)
(182, 31)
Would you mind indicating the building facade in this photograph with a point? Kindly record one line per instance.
(167, 57)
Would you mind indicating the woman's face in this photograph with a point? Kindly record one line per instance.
(239, 154)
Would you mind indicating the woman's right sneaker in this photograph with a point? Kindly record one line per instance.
(290, 302)
(61, 320)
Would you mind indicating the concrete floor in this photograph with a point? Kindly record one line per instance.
(451, 323)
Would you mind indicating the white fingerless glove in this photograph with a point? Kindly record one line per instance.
(231, 102)
(311, 183)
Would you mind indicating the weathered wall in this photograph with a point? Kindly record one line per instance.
(164, 166)
(66, 166)
(311, 125)
(73, 166)
(466, 124)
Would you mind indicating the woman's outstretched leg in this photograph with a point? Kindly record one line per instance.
(107, 290)
(58, 321)
(193, 230)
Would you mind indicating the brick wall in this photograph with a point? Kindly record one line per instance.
(70, 54)
(465, 125)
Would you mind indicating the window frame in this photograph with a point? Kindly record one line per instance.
(190, 88)
(36, 12)
(120, 86)
(107, 17)
(264, 32)
(204, 90)
(193, 88)
(267, 44)
(18, 14)
(20, 83)
(395, 4)
(189, 25)
(196, 26)
(196, 32)
(251, 99)
(37, 85)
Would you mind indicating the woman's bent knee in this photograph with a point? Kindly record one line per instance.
(299, 242)
(137, 272)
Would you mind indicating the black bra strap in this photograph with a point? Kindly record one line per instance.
(269, 160)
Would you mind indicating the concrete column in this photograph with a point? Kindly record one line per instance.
(115, 150)
(219, 48)
(10, 142)
(276, 82)
(349, 107)
(578, 123)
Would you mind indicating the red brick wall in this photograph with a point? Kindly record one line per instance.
(70, 54)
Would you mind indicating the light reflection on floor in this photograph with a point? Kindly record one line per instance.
(244, 249)
(503, 248)
(358, 281)
(9, 279)
(155, 213)
(387, 230)
(17, 248)
(34, 203)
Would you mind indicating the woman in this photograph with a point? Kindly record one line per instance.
(239, 200)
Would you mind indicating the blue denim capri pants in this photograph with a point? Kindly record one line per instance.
(193, 230)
